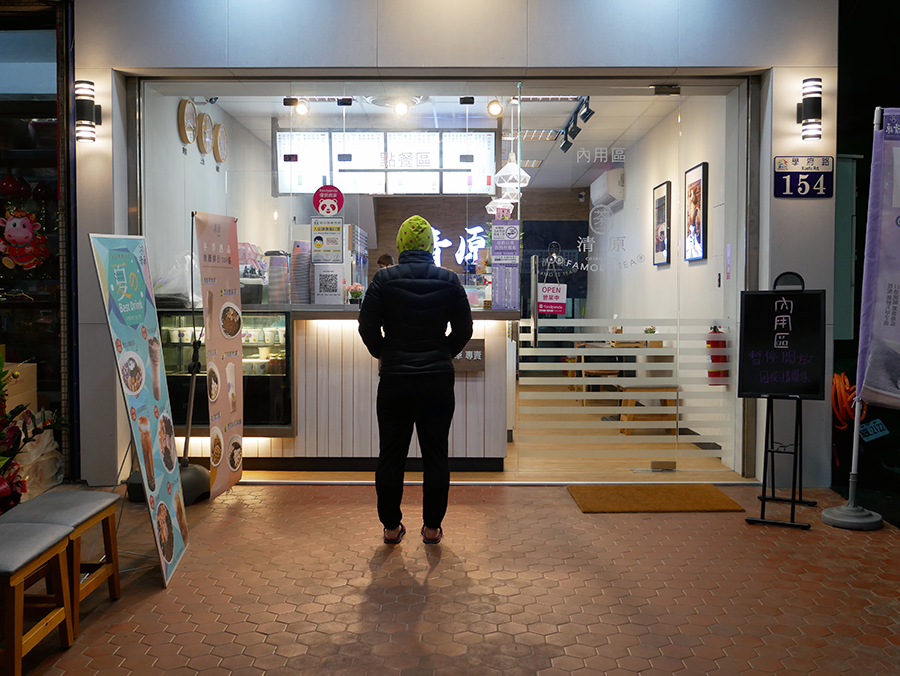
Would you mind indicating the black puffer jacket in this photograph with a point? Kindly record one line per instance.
(413, 302)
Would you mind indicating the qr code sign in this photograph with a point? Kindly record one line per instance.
(328, 283)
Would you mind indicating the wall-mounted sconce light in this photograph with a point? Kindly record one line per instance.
(87, 114)
(495, 108)
(809, 110)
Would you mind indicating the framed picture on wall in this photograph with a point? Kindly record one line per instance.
(662, 213)
(695, 180)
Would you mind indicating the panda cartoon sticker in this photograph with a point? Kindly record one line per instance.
(328, 200)
(328, 207)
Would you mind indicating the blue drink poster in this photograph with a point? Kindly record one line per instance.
(127, 291)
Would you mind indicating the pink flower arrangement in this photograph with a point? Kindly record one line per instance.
(356, 290)
(17, 428)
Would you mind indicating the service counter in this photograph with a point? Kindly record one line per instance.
(332, 383)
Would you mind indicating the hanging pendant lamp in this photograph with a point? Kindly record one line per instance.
(512, 175)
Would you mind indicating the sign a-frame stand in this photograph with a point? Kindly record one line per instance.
(782, 356)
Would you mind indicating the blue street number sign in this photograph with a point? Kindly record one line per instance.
(804, 177)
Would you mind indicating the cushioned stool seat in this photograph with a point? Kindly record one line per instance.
(31, 552)
(79, 510)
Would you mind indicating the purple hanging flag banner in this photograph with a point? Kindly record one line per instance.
(878, 369)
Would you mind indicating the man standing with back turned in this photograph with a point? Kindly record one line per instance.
(403, 322)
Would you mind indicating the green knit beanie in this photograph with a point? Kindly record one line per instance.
(415, 235)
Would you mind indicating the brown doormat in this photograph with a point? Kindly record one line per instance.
(620, 498)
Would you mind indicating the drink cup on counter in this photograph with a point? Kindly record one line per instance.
(155, 352)
(147, 451)
(232, 386)
(269, 335)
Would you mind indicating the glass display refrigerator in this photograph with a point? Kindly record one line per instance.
(265, 341)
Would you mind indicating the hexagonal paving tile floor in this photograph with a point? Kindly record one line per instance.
(295, 580)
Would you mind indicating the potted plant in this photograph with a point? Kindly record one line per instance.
(356, 291)
(18, 428)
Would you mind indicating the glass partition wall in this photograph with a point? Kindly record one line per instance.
(639, 372)
(632, 196)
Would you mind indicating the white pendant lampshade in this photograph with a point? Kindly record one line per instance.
(512, 175)
(510, 194)
(496, 203)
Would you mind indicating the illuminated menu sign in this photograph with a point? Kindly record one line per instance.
(375, 163)
(418, 152)
(363, 172)
(477, 146)
(311, 169)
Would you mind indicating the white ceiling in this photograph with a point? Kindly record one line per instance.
(622, 116)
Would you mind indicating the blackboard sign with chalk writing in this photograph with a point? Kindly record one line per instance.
(782, 344)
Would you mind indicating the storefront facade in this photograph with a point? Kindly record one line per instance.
(738, 77)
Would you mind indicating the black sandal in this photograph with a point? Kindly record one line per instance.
(432, 541)
(396, 540)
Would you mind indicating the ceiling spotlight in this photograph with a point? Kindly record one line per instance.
(301, 107)
(401, 108)
(565, 145)
(574, 130)
(466, 100)
(586, 112)
(495, 108)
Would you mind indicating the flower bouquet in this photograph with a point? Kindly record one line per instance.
(356, 291)
(18, 427)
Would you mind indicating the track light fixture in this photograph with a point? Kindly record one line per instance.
(300, 106)
(572, 130)
(345, 101)
(586, 112)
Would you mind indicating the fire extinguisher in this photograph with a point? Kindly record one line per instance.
(715, 344)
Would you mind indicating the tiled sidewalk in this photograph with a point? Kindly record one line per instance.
(294, 580)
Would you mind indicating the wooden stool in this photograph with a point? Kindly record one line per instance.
(32, 552)
(79, 510)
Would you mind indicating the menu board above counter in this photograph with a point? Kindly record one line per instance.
(302, 161)
(376, 163)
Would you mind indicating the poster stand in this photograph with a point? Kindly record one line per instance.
(195, 480)
(771, 450)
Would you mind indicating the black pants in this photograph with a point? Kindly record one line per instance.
(426, 401)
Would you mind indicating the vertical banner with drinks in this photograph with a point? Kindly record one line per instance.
(127, 291)
(217, 249)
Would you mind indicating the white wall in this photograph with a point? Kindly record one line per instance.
(798, 235)
(630, 285)
(408, 35)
